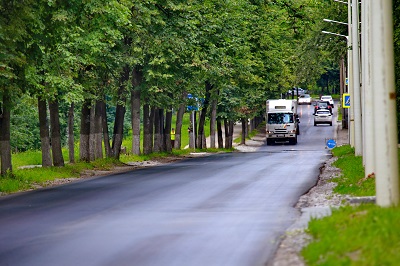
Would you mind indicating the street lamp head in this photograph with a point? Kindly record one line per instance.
(336, 34)
(343, 2)
(334, 21)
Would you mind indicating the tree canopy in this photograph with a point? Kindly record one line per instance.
(247, 51)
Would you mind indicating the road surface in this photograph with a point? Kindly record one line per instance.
(224, 209)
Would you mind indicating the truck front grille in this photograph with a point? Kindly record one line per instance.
(281, 131)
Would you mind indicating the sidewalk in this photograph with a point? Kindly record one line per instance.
(341, 135)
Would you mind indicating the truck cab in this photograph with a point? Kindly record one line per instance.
(282, 121)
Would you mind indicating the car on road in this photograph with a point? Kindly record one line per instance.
(327, 98)
(323, 105)
(322, 116)
(296, 91)
(305, 99)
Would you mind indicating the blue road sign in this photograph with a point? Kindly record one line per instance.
(192, 107)
(346, 100)
(331, 143)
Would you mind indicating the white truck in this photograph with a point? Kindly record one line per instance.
(282, 122)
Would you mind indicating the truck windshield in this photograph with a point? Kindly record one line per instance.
(280, 118)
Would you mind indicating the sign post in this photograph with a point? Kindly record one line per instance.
(193, 108)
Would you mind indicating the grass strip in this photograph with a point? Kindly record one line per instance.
(352, 181)
(355, 235)
(24, 179)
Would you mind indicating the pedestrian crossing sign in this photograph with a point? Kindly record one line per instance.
(346, 100)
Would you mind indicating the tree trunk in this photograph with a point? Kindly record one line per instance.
(92, 139)
(244, 130)
(118, 134)
(71, 139)
(162, 125)
(147, 130)
(219, 133)
(157, 130)
(192, 130)
(98, 118)
(152, 115)
(58, 159)
(201, 136)
(253, 123)
(5, 146)
(178, 126)
(228, 133)
(247, 127)
(213, 120)
(106, 136)
(167, 131)
(137, 79)
(202, 120)
(44, 133)
(85, 131)
(118, 131)
(226, 129)
(231, 124)
(135, 110)
(194, 125)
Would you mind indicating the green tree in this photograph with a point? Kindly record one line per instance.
(15, 21)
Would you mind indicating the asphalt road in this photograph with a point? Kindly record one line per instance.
(225, 209)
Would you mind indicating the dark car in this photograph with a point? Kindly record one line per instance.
(322, 105)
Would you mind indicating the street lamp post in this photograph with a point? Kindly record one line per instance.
(356, 80)
(383, 84)
(367, 93)
(350, 112)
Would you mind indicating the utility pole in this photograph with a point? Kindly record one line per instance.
(368, 103)
(383, 84)
(356, 106)
(350, 75)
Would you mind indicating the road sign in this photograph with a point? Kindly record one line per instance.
(346, 100)
(347, 81)
(331, 143)
(194, 101)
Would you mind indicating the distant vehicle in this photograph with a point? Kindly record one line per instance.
(304, 99)
(323, 105)
(282, 121)
(327, 98)
(322, 116)
(299, 90)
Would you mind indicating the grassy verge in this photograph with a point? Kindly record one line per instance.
(354, 235)
(352, 181)
(25, 179)
(29, 178)
(363, 235)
